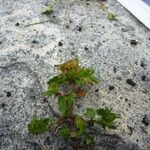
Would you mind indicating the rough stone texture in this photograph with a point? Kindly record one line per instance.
(28, 56)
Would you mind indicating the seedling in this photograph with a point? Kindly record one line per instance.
(110, 16)
(48, 10)
(69, 124)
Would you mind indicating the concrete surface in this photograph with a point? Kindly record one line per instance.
(27, 59)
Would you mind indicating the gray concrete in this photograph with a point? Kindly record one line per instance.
(28, 56)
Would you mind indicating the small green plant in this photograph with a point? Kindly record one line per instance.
(48, 10)
(69, 124)
(110, 16)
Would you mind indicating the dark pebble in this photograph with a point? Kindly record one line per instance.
(86, 48)
(96, 90)
(3, 105)
(17, 24)
(111, 87)
(34, 42)
(130, 130)
(8, 94)
(126, 99)
(146, 120)
(133, 42)
(143, 64)
(145, 91)
(129, 105)
(115, 69)
(60, 44)
(67, 26)
(131, 82)
(143, 78)
(79, 29)
(37, 56)
(70, 21)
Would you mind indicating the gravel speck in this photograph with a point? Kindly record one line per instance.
(3, 105)
(8, 94)
(131, 82)
(133, 42)
(143, 78)
(60, 44)
(146, 120)
(111, 87)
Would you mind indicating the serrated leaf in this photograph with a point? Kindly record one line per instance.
(69, 65)
(86, 73)
(107, 118)
(38, 125)
(52, 89)
(73, 73)
(90, 113)
(57, 80)
(89, 139)
(80, 125)
(65, 103)
(64, 132)
(54, 83)
(86, 76)
(54, 80)
(71, 76)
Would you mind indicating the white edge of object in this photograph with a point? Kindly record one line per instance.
(139, 9)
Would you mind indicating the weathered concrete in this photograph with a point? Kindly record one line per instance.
(28, 56)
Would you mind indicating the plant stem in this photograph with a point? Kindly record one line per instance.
(72, 121)
(35, 23)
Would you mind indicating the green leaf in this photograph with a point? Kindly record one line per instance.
(86, 76)
(80, 125)
(71, 76)
(89, 139)
(52, 89)
(111, 16)
(48, 10)
(73, 73)
(62, 104)
(54, 83)
(64, 132)
(65, 103)
(90, 113)
(57, 80)
(38, 125)
(107, 118)
(54, 80)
